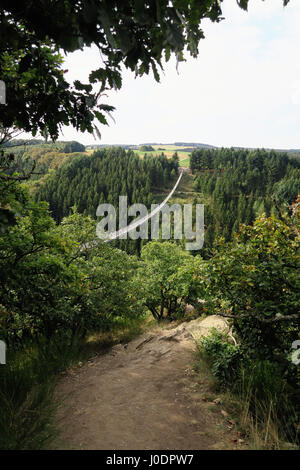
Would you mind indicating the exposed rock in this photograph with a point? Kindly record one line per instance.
(188, 308)
(144, 341)
(202, 327)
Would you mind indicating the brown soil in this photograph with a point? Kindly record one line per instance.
(144, 395)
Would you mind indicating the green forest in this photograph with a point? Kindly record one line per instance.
(69, 302)
(240, 185)
(58, 288)
(88, 181)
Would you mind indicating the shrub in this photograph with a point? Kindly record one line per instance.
(225, 358)
(257, 276)
(267, 397)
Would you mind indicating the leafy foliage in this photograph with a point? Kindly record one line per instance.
(135, 34)
(166, 278)
(225, 358)
(22, 161)
(39, 99)
(255, 281)
(50, 284)
(261, 385)
(13, 197)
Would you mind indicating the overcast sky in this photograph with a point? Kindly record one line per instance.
(242, 90)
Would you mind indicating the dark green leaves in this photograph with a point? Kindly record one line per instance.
(136, 34)
(255, 281)
(243, 4)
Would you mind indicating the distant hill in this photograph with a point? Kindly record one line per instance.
(190, 146)
(101, 146)
(41, 157)
(65, 146)
(194, 145)
(74, 146)
(268, 149)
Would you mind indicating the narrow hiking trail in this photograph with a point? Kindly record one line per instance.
(144, 395)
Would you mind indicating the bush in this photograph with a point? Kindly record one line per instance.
(166, 279)
(225, 358)
(258, 278)
(262, 386)
(55, 279)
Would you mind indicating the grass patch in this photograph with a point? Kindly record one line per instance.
(28, 381)
(185, 162)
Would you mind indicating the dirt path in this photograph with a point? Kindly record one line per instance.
(143, 395)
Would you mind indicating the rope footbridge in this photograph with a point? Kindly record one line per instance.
(139, 221)
(142, 220)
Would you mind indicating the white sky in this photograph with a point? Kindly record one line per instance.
(242, 90)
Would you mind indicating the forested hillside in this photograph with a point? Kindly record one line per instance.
(69, 146)
(88, 181)
(239, 185)
(36, 158)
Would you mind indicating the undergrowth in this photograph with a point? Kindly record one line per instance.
(28, 379)
(256, 391)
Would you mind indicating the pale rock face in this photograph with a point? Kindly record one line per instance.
(188, 309)
(193, 330)
(202, 327)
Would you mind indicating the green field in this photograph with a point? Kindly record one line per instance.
(184, 162)
(169, 151)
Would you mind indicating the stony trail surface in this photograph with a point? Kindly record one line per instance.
(143, 395)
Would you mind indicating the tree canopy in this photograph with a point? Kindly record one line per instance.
(238, 185)
(137, 34)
